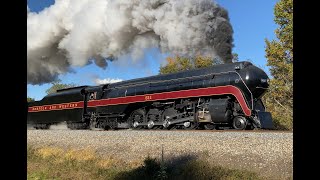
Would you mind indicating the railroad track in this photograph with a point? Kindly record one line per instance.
(179, 130)
(63, 126)
(224, 130)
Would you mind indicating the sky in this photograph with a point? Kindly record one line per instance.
(252, 23)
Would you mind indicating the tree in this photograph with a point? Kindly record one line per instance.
(58, 85)
(235, 57)
(279, 54)
(29, 99)
(175, 64)
(203, 61)
(179, 63)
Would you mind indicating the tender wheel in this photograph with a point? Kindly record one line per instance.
(239, 123)
(71, 126)
(209, 126)
(46, 126)
(77, 125)
(42, 126)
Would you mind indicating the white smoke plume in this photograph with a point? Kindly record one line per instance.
(74, 32)
(106, 81)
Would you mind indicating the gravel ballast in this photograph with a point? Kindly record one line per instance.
(268, 153)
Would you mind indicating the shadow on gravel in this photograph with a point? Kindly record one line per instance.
(183, 167)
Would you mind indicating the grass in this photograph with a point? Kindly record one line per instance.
(55, 163)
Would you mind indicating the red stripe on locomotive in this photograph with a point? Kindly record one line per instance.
(152, 97)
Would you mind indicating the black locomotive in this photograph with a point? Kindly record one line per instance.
(226, 95)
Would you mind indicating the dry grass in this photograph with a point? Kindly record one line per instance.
(56, 163)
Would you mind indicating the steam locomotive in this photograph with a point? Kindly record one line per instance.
(225, 95)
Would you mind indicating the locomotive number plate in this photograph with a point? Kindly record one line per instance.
(147, 98)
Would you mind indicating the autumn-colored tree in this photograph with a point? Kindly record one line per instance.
(279, 53)
(58, 85)
(179, 63)
(29, 99)
(175, 64)
(203, 61)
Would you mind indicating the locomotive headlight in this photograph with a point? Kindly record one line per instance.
(264, 80)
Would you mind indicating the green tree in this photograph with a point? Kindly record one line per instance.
(56, 85)
(235, 57)
(29, 99)
(279, 53)
(179, 63)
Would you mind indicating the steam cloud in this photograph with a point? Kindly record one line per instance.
(106, 81)
(76, 32)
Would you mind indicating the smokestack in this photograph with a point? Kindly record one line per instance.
(71, 32)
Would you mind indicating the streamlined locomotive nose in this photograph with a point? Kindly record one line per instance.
(257, 80)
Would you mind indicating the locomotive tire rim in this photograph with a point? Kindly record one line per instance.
(239, 123)
(135, 124)
(186, 124)
(150, 124)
